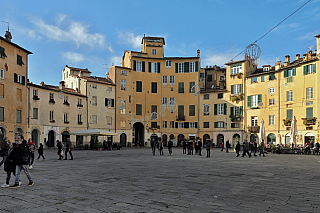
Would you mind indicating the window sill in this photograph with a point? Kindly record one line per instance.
(52, 102)
(52, 121)
(66, 103)
(66, 122)
(254, 107)
(80, 123)
(79, 105)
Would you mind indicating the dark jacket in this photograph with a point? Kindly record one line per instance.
(9, 165)
(59, 145)
(4, 148)
(40, 150)
(68, 145)
(208, 144)
(20, 154)
(170, 144)
(238, 147)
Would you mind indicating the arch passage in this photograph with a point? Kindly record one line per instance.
(138, 130)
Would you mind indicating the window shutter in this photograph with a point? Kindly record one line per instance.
(222, 124)
(176, 67)
(259, 99)
(186, 66)
(241, 110)
(106, 102)
(240, 88)
(112, 102)
(285, 73)
(232, 89)
(158, 64)
(23, 80)
(215, 109)
(249, 101)
(196, 64)
(143, 66)
(289, 114)
(176, 124)
(149, 66)
(294, 71)
(304, 70)
(314, 68)
(215, 124)
(310, 112)
(134, 65)
(225, 109)
(15, 77)
(231, 110)
(186, 124)
(196, 124)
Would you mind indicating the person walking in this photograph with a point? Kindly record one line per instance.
(316, 148)
(170, 145)
(255, 148)
(9, 166)
(208, 147)
(59, 145)
(200, 147)
(238, 148)
(161, 147)
(262, 148)
(32, 148)
(4, 149)
(246, 149)
(68, 149)
(21, 159)
(191, 144)
(153, 146)
(184, 147)
(227, 146)
(40, 152)
(222, 146)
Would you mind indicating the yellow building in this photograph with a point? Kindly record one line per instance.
(55, 112)
(13, 88)
(145, 84)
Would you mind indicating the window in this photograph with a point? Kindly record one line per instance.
(35, 113)
(206, 97)
(129, 97)
(2, 73)
(236, 69)
(154, 67)
(2, 53)
(192, 66)
(168, 64)
(109, 89)
(290, 95)
(180, 124)
(271, 120)
(192, 110)
(138, 109)
(79, 119)
(192, 124)
(180, 67)
(65, 101)
(1, 90)
(123, 72)
(109, 120)
(19, 60)
(236, 89)
(289, 73)
(219, 124)
(51, 96)
(164, 124)
(164, 80)
(154, 125)
(164, 100)
(201, 75)
(94, 119)
(254, 100)
(94, 100)
(272, 77)
(123, 111)
(171, 124)
(19, 79)
(172, 80)
(289, 113)
(79, 102)
(18, 116)
(235, 111)
(94, 86)
(35, 93)
(123, 123)
(220, 95)
(271, 102)
(309, 112)
(271, 90)
(254, 80)
(66, 117)
(1, 114)
(109, 102)
(19, 94)
(220, 109)
(171, 99)
(254, 121)
(154, 52)
(181, 87)
(51, 118)
(153, 108)
(191, 84)
(153, 87)
(310, 93)
(309, 69)
(139, 66)
(209, 78)
(123, 85)
(262, 78)
(139, 86)
(235, 125)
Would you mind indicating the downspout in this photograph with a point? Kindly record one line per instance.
(87, 106)
(279, 99)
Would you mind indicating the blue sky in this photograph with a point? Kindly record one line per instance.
(94, 34)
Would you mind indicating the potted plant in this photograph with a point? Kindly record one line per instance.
(287, 122)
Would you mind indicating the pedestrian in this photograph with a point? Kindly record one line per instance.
(238, 148)
(40, 152)
(196, 147)
(227, 146)
(161, 147)
(250, 147)
(170, 145)
(255, 147)
(20, 155)
(32, 148)
(208, 147)
(316, 148)
(184, 147)
(59, 145)
(262, 148)
(9, 166)
(153, 146)
(4, 149)
(68, 149)
(199, 147)
(246, 149)
(91, 144)
(222, 146)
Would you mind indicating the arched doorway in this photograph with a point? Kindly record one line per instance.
(254, 137)
(287, 139)
(35, 137)
(235, 139)
(51, 138)
(123, 139)
(205, 137)
(180, 139)
(138, 130)
(271, 139)
(3, 133)
(220, 140)
(65, 136)
(17, 131)
(164, 139)
(309, 138)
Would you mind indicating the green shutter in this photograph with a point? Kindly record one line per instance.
(158, 64)
(176, 67)
(304, 70)
(293, 71)
(232, 89)
(259, 99)
(225, 109)
(149, 66)
(215, 111)
(231, 110)
(289, 113)
(285, 73)
(143, 66)
(249, 101)
(310, 112)
(215, 124)
(112, 102)
(134, 65)
(240, 88)
(196, 66)
(241, 110)
(314, 68)
(186, 66)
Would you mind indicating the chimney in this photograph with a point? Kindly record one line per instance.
(198, 53)
(309, 54)
(287, 60)
(42, 83)
(61, 85)
(304, 56)
(318, 43)
(8, 35)
(297, 56)
(278, 65)
(80, 74)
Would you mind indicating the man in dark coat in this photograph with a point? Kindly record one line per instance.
(227, 146)
(4, 149)
(246, 149)
(153, 146)
(170, 145)
(199, 146)
(68, 149)
(59, 145)
(208, 147)
(184, 145)
(9, 166)
(238, 148)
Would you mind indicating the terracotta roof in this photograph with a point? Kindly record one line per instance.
(57, 89)
(78, 69)
(15, 45)
(98, 80)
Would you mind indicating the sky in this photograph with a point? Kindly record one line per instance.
(94, 34)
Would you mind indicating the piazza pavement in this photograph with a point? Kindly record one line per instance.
(132, 180)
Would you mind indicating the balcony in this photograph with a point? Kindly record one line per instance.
(236, 97)
(309, 121)
(79, 105)
(235, 118)
(66, 103)
(80, 122)
(35, 97)
(254, 129)
(181, 118)
(52, 101)
(287, 122)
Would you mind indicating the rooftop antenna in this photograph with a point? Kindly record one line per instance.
(8, 34)
(105, 68)
(310, 48)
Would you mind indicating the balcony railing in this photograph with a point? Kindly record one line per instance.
(35, 97)
(254, 129)
(309, 121)
(181, 118)
(287, 122)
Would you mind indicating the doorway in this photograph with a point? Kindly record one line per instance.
(123, 139)
(220, 140)
(35, 137)
(138, 129)
(51, 138)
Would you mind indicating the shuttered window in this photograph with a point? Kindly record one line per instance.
(153, 87)
(181, 87)
(310, 112)
(139, 86)
(138, 109)
(1, 90)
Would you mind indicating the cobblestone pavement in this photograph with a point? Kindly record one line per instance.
(132, 180)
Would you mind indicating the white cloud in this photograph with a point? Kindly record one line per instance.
(218, 59)
(74, 31)
(73, 58)
(130, 38)
(116, 60)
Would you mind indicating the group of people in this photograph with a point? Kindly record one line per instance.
(250, 148)
(159, 144)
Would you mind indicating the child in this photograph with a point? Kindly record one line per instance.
(9, 166)
(40, 151)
